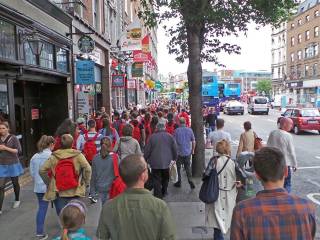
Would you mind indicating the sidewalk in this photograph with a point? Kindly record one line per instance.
(19, 224)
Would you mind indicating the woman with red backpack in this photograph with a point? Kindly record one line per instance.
(109, 131)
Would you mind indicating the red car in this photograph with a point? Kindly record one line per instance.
(303, 119)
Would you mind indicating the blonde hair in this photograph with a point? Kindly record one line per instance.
(72, 217)
(44, 142)
(106, 146)
(223, 147)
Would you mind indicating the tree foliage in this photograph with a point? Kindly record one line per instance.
(264, 86)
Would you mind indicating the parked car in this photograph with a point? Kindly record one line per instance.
(234, 107)
(258, 104)
(303, 119)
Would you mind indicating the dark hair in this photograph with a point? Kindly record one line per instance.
(142, 111)
(66, 141)
(44, 142)
(134, 115)
(91, 123)
(170, 117)
(107, 125)
(160, 114)
(127, 130)
(220, 123)
(66, 127)
(116, 114)
(247, 125)
(154, 122)
(131, 167)
(269, 164)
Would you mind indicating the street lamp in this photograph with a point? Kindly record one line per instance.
(35, 42)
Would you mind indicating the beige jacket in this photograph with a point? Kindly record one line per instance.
(246, 142)
(82, 168)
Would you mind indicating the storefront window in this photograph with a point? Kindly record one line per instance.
(4, 107)
(62, 60)
(7, 40)
(29, 56)
(46, 57)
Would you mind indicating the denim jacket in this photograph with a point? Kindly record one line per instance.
(36, 162)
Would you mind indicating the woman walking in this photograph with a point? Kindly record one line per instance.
(219, 214)
(45, 146)
(247, 138)
(127, 144)
(10, 166)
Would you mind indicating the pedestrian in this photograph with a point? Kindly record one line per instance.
(102, 170)
(72, 218)
(127, 144)
(109, 131)
(116, 121)
(247, 138)
(218, 135)
(186, 145)
(185, 115)
(210, 120)
(283, 140)
(273, 213)
(66, 127)
(138, 130)
(139, 215)
(171, 126)
(81, 123)
(218, 214)
(10, 166)
(99, 121)
(153, 123)
(69, 172)
(147, 125)
(159, 152)
(45, 146)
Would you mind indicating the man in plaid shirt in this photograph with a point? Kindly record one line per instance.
(273, 213)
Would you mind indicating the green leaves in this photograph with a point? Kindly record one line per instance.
(264, 86)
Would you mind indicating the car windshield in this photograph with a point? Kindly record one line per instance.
(260, 101)
(310, 113)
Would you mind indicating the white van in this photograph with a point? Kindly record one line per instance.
(258, 104)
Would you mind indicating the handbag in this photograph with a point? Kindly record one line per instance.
(118, 186)
(209, 191)
(257, 142)
(173, 172)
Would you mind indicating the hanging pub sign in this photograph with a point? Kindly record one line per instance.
(140, 56)
(86, 44)
(118, 81)
(137, 70)
(85, 72)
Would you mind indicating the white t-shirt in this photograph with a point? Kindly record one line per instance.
(218, 135)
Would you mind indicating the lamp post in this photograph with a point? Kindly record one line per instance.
(34, 42)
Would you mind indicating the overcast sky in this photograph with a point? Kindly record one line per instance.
(255, 53)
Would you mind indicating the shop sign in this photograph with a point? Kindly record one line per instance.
(130, 39)
(146, 44)
(35, 115)
(140, 56)
(86, 44)
(311, 83)
(295, 84)
(85, 72)
(98, 56)
(131, 84)
(83, 103)
(118, 81)
(137, 70)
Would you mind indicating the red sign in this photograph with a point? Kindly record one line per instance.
(139, 56)
(145, 44)
(35, 114)
(114, 63)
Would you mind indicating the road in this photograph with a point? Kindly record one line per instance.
(306, 181)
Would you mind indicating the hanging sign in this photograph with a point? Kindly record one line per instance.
(118, 81)
(137, 70)
(85, 72)
(145, 44)
(131, 84)
(140, 56)
(86, 44)
(131, 38)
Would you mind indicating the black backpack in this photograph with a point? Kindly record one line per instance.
(209, 191)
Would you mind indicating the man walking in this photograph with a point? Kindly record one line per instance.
(211, 119)
(218, 135)
(160, 150)
(186, 144)
(273, 213)
(135, 214)
(283, 140)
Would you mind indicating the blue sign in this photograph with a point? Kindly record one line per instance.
(85, 72)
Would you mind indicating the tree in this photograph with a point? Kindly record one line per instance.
(198, 36)
(264, 86)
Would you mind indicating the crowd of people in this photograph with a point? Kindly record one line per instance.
(83, 159)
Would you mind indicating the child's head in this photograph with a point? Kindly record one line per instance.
(72, 217)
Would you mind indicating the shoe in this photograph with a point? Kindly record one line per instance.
(177, 184)
(192, 186)
(42, 236)
(92, 199)
(16, 204)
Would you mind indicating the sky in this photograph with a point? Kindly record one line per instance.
(255, 53)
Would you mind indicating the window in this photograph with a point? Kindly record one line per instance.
(315, 70)
(299, 38)
(8, 40)
(292, 57)
(292, 25)
(62, 59)
(272, 41)
(299, 71)
(96, 14)
(306, 53)
(307, 35)
(299, 22)
(306, 70)
(4, 105)
(299, 55)
(307, 18)
(315, 49)
(316, 13)
(46, 57)
(30, 58)
(316, 31)
(292, 41)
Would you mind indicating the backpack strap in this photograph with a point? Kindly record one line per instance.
(95, 137)
(115, 165)
(86, 136)
(224, 165)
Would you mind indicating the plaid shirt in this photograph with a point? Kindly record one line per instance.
(274, 214)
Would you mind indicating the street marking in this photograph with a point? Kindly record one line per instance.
(311, 167)
(311, 197)
(271, 120)
(313, 182)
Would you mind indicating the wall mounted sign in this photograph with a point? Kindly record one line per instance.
(137, 70)
(35, 115)
(140, 56)
(86, 44)
(83, 103)
(118, 81)
(85, 72)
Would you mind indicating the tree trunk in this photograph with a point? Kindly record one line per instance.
(195, 98)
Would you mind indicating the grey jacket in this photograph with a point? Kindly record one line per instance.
(127, 146)
(160, 150)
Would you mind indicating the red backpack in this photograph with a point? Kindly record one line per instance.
(65, 175)
(118, 186)
(90, 148)
(136, 133)
(170, 128)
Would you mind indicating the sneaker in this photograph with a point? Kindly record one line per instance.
(177, 184)
(16, 204)
(93, 199)
(42, 236)
(192, 186)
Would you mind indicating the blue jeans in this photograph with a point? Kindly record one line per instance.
(287, 181)
(42, 212)
(217, 234)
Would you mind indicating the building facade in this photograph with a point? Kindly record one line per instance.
(303, 61)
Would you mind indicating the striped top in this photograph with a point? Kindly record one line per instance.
(81, 141)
